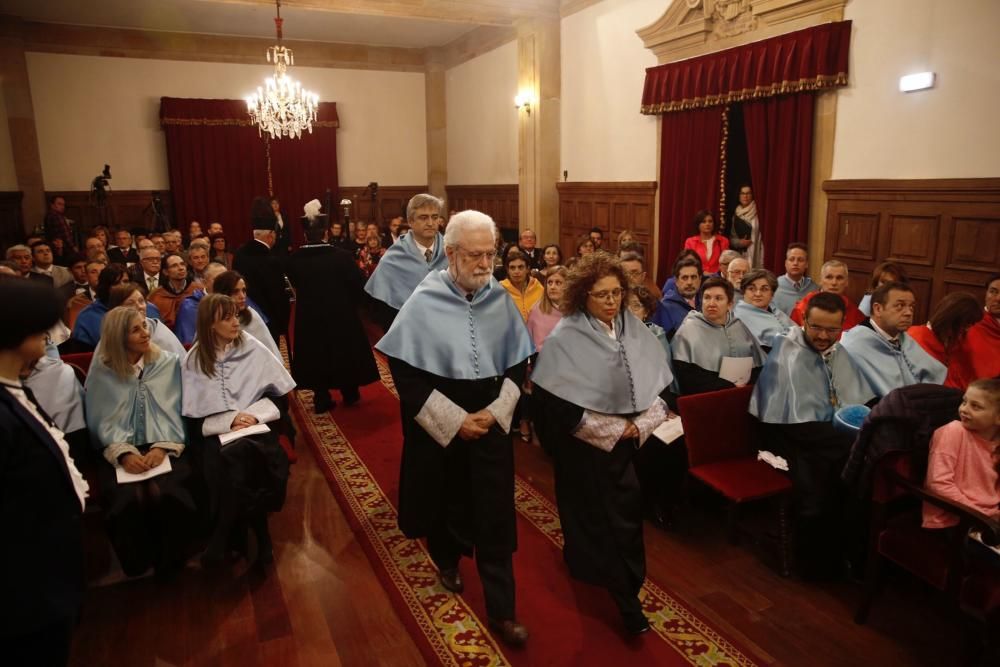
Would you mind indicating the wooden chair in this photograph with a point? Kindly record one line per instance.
(79, 360)
(722, 454)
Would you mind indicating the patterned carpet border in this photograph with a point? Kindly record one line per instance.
(452, 631)
(683, 631)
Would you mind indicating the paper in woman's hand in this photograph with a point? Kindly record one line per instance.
(736, 370)
(125, 477)
(669, 430)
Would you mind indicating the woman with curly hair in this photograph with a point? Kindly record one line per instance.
(599, 380)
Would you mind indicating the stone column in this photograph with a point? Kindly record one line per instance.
(538, 131)
(21, 122)
(437, 124)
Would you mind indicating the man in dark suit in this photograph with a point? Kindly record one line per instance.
(42, 494)
(146, 273)
(263, 271)
(123, 253)
(527, 242)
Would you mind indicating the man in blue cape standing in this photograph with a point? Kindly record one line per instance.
(457, 351)
(407, 262)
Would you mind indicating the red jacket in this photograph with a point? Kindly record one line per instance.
(852, 316)
(708, 264)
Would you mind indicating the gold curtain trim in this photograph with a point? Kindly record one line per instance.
(817, 83)
(723, 171)
(232, 122)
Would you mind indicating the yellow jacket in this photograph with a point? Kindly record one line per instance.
(524, 301)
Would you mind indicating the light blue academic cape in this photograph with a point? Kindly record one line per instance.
(58, 391)
(787, 295)
(887, 368)
(402, 268)
(797, 386)
(135, 410)
(441, 332)
(763, 324)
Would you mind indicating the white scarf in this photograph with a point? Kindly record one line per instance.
(754, 251)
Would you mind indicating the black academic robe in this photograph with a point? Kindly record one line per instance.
(124, 257)
(599, 500)
(331, 347)
(470, 484)
(41, 562)
(264, 274)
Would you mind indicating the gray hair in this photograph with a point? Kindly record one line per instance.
(420, 201)
(17, 248)
(211, 272)
(262, 234)
(834, 263)
(728, 256)
(467, 221)
(754, 275)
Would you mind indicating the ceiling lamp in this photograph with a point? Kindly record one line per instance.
(282, 108)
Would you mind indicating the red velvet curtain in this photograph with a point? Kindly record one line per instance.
(804, 60)
(690, 160)
(779, 146)
(218, 164)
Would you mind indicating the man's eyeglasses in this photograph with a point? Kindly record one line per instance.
(607, 295)
(830, 331)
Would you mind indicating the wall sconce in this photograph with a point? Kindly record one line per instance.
(523, 101)
(919, 81)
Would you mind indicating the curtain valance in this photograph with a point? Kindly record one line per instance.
(183, 111)
(805, 60)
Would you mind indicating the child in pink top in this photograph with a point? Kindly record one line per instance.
(965, 457)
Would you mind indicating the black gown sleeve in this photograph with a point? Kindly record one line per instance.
(556, 418)
(412, 384)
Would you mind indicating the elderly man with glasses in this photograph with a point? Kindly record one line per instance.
(457, 351)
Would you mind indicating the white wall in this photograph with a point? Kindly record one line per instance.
(604, 137)
(8, 177)
(482, 121)
(949, 131)
(90, 110)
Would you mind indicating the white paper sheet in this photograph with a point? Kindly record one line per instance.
(125, 477)
(227, 438)
(669, 430)
(736, 370)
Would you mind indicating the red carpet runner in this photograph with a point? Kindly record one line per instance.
(570, 623)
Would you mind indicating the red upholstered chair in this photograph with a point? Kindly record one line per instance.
(79, 360)
(938, 557)
(719, 433)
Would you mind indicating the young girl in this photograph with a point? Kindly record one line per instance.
(965, 457)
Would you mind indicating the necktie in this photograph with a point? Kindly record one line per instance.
(151, 281)
(427, 255)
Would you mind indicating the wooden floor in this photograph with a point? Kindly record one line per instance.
(323, 605)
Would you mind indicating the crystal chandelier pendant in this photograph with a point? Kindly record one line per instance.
(282, 108)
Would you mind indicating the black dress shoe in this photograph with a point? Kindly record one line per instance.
(322, 402)
(510, 632)
(452, 580)
(636, 624)
(350, 396)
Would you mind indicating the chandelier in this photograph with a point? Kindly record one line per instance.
(282, 107)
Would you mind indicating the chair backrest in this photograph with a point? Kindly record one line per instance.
(717, 426)
(79, 359)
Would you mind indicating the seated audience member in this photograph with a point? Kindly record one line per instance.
(57, 390)
(527, 243)
(806, 378)
(129, 295)
(123, 252)
(708, 338)
(635, 270)
(103, 234)
(232, 284)
(551, 256)
(963, 462)
(147, 272)
(725, 259)
(198, 259)
(983, 339)
(584, 246)
(220, 251)
(794, 284)
(833, 279)
(707, 242)
(599, 380)
(229, 381)
(172, 242)
(93, 244)
(597, 238)
(42, 494)
(625, 236)
(642, 304)
(77, 266)
(9, 268)
(944, 336)
(21, 256)
(87, 328)
(172, 292)
(44, 268)
(523, 288)
(370, 255)
(76, 303)
(885, 272)
(134, 416)
(194, 230)
(681, 298)
(734, 274)
(215, 228)
(545, 314)
(158, 242)
(670, 284)
(887, 357)
(187, 314)
(60, 252)
(757, 311)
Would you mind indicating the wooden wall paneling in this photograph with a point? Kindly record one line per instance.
(125, 208)
(390, 201)
(614, 207)
(500, 202)
(945, 232)
(11, 219)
